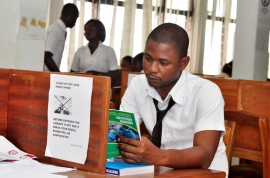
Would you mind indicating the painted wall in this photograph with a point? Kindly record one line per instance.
(22, 33)
(251, 40)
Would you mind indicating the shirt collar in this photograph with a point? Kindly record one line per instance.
(86, 47)
(62, 25)
(177, 92)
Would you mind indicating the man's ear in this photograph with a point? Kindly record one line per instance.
(184, 62)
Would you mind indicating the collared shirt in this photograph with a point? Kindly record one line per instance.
(55, 41)
(199, 106)
(102, 60)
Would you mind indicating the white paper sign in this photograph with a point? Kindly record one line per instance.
(264, 11)
(69, 117)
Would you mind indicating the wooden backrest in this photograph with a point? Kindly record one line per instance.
(229, 138)
(4, 87)
(255, 97)
(124, 81)
(27, 118)
(250, 138)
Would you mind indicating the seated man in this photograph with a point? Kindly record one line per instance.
(190, 135)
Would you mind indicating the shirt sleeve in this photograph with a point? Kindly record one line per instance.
(112, 61)
(210, 109)
(128, 102)
(52, 40)
(76, 62)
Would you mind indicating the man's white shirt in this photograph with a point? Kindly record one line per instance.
(199, 106)
(55, 42)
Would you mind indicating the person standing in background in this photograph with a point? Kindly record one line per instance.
(96, 58)
(56, 37)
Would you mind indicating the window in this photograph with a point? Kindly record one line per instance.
(174, 11)
(214, 58)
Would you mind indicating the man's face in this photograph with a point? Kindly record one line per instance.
(72, 21)
(162, 65)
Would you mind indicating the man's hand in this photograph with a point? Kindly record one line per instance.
(199, 156)
(144, 151)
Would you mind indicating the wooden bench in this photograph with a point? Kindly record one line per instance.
(24, 104)
(25, 116)
(245, 95)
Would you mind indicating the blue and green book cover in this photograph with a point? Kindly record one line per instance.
(121, 124)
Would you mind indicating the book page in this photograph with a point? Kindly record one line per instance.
(69, 117)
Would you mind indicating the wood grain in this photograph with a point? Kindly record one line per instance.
(251, 138)
(27, 118)
(255, 97)
(4, 88)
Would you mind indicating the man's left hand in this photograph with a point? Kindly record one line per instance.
(144, 151)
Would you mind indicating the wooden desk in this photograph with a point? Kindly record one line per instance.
(160, 172)
(24, 109)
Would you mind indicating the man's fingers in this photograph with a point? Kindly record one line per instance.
(127, 148)
(129, 160)
(129, 141)
(127, 155)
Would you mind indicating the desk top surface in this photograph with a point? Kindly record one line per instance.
(160, 172)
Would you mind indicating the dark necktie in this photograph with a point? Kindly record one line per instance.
(156, 134)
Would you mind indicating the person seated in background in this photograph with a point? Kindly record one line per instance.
(183, 113)
(136, 64)
(125, 63)
(226, 71)
(96, 58)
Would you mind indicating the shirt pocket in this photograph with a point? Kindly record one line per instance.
(179, 140)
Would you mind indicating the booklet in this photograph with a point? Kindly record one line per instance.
(121, 124)
(120, 168)
(9, 152)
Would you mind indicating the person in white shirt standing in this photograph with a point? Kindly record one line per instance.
(190, 135)
(96, 58)
(56, 37)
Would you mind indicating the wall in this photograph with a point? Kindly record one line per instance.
(22, 33)
(251, 40)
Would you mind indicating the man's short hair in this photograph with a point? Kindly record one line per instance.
(100, 27)
(172, 34)
(70, 9)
